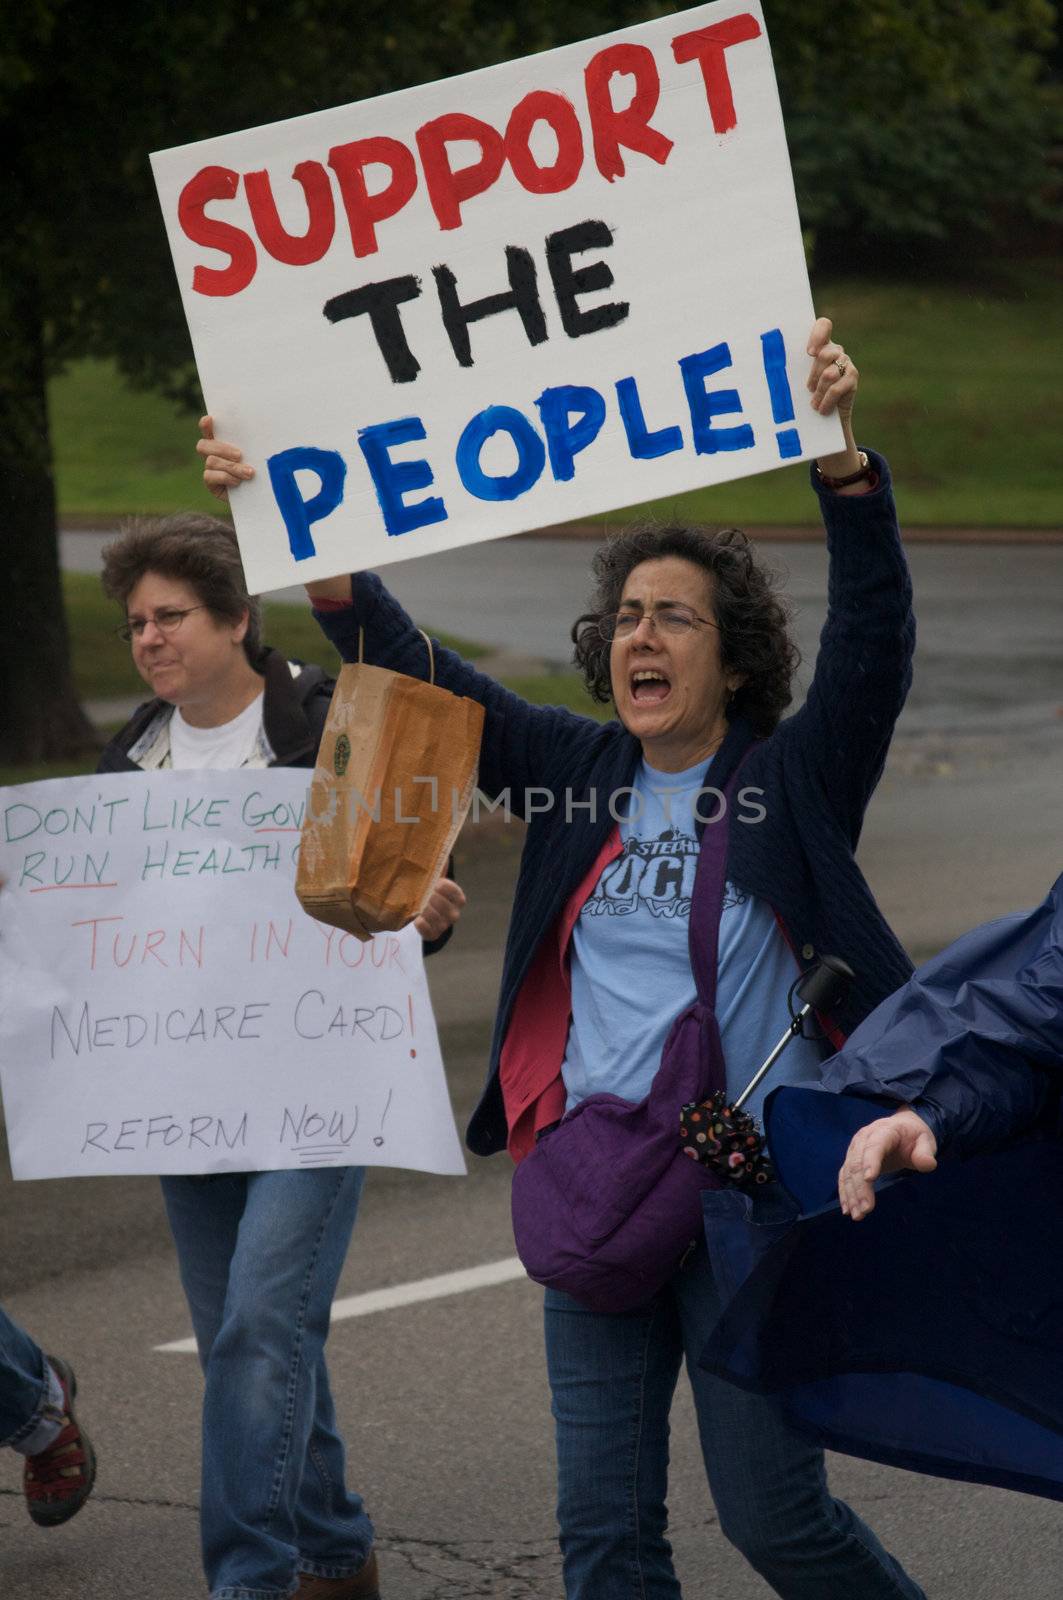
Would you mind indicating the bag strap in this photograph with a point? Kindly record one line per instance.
(706, 903)
(424, 636)
(431, 656)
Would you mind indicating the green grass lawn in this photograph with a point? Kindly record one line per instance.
(960, 387)
(958, 391)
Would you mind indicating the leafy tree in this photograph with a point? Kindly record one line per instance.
(908, 119)
(84, 264)
(916, 123)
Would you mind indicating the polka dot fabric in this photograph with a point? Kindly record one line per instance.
(725, 1140)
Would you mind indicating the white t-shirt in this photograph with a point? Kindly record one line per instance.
(226, 747)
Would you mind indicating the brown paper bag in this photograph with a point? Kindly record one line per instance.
(392, 786)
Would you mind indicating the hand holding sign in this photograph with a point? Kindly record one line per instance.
(430, 326)
(832, 383)
(224, 467)
(833, 379)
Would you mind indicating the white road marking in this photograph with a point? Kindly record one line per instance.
(400, 1294)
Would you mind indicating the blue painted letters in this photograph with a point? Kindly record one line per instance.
(782, 404)
(643, 444)
(565, 438)
(298, 513)
(393, 480)
(704, 405)
(531, 456)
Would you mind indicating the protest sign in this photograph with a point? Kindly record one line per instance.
(166, 1005)
(504, 300)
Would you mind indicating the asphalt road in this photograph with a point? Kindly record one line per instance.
(444, 1402)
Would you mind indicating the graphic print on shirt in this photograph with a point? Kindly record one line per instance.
(656, 875)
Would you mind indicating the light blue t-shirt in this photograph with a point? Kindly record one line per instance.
(630, 959)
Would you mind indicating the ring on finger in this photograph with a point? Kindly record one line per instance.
(842, 364)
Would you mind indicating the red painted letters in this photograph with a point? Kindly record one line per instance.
(630, 127)
(365, 210)
(614, 129)
(541, 106)
(707, 46)
(216, 183)
(449, 187)
(296, 250)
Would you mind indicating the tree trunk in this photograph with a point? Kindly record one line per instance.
(40, 718)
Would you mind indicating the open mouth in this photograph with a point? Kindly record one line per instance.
(649, 687)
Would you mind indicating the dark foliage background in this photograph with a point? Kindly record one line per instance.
(920, 130)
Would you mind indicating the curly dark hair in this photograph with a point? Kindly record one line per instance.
(754, 620)
(195, 549)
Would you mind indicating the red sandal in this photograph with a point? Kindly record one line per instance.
(57, 1481)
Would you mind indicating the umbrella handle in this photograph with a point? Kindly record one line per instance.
(822, 987)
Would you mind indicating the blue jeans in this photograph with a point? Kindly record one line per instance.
(28, 1391)
(612, 1379)
(260, 1254)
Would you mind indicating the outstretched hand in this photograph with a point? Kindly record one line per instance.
(888, 1145)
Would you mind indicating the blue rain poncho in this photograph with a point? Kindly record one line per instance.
(929, 1335)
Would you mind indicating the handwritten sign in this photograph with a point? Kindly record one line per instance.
(500, 301)
(167, 1006)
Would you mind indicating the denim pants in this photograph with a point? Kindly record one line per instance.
(30, 1396)
(612, 1377)
(260, 1254)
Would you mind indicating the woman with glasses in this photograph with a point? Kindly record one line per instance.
(260, 1253)
(688, 640)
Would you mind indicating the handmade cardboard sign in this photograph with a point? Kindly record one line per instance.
(166, 1006)
(500, 301)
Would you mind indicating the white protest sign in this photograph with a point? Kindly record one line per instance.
(504, 300)
(167, 1006)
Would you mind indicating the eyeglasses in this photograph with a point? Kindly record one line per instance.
(671, 619)
(168, 620)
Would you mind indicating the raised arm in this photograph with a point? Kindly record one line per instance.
(864, 664)
(525, 748)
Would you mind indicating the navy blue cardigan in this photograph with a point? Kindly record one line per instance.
(817, 771)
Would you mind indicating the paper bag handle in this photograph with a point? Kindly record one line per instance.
(424, 636)
(431, 656)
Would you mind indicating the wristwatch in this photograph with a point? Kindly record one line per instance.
(866, 471)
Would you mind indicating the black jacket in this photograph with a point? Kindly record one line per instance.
(293, 716)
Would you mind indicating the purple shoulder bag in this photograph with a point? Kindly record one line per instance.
(607, 1205)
